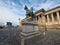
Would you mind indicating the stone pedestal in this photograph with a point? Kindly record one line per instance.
(30, 27)
(29, 30)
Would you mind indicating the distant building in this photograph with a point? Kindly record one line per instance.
(9, 24)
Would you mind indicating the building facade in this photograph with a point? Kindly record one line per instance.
(47, 19)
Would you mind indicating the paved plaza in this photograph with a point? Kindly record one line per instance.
(8, 37)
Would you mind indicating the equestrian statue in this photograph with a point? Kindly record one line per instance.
(29, 12)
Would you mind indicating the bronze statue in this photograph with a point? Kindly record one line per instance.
(29, 12)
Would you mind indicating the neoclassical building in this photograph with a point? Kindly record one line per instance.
(47, 19)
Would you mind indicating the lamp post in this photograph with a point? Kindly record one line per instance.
(19, 21)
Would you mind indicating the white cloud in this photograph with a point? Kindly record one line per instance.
(9, 12)
(13, 3)
(48, 4)
(7, 16)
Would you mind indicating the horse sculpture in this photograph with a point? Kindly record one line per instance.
(29, 12)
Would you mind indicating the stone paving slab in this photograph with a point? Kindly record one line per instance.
(8, 37)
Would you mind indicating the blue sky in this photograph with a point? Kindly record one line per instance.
(11, 10)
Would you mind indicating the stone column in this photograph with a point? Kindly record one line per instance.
(52, 18)
(36, 18)
(43, 19)
(47, 18)
(58, 17)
